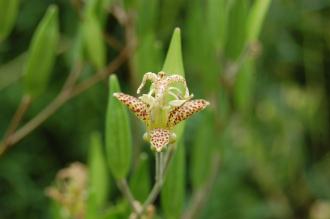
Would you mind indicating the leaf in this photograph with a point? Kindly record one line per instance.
(98, 171)
(42, 53)
(98, 8)
(140, 180)
(11, 71)
(256, 18)
(8, 14)
(174, 65)
(118, 211)
(173, 191)
(201, 153)
(148, 16)
(93, 40)
(168, 15)
(173, 62)
(118, 133)
(244, 86)
(236, 32)
(217, 16)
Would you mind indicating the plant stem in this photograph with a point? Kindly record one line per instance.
(70, 90)
(157, 163)
(161, 167)
(199, 197)
(98, 76)
(159, 181)
(123, 186)
(20, 112)
(231, 69)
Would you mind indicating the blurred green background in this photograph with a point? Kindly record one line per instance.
(268, 88)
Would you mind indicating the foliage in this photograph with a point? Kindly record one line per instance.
(259, 151)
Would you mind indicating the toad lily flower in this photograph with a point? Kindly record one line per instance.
(163, 107)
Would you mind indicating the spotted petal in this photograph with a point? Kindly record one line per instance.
(138, 107)
(159, 138)
(184, 111)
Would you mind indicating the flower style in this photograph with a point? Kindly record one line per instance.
(163, 107)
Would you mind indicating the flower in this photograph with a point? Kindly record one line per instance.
(163, 107)
(70, 190)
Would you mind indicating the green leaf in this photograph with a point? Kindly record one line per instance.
(140, 180)
(98, 8)
(201, 154)
(173, 191)
(244, 87)
(118, 211)
(118, 134)
(256, 18)
(98, 171)
(174, 65)
(42, 53)
(148, 47)
(8, 14)
(148, 17)
(11, 71)
(236, 32)
(173, 62)
(169, 12)
(217, 16)
(93, 40)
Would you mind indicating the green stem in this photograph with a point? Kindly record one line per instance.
(123, 186)
(157, 160)
(162, 163)
(161, 167)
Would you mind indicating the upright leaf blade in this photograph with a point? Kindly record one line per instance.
(236, 32)
(174, 65)
(98, 171)
(118, 134)
(8, 14)
(245, 79)
(140, 180)
(42, 53)
(173, 191)
(201, 154)
(93, 38)
(256, 18)
(173, 62)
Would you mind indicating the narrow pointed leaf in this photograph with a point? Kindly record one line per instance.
(93, 40)
(173, 191)
(118, 133)
(201, 153)
(98, 8)
(42, 53)
(173, 62)
(256, 18)
(174, 65)
(245, 81)
(140, 180)
(8, 14)
(98, 171)
(236, 32)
